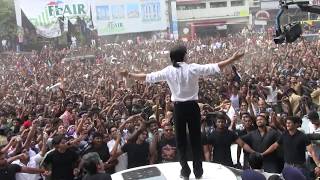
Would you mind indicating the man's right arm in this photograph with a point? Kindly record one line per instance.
(150, 78)
(115, 152)
(237, 55)
(14, 158)
(272, 148)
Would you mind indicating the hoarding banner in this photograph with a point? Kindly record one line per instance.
(127, 16)
(174, 24)
(46, 14)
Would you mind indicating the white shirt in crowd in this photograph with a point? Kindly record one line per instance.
(272, 95)
(74, 41)
(183, 81)
(33, 163)
(4, 43)
(235, 101)
(122, 159)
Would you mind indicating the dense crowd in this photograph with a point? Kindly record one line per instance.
(67, 114)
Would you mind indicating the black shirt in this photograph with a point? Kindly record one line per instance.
(221, 142)
(138, 154)
(167, 150)
(261, 143)
(9, 172)
(62, 164)
(99, 176)
(294, 147)
(103, 152)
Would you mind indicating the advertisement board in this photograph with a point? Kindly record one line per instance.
(127, 16)
(46, 14)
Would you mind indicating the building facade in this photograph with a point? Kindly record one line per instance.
(211, 16)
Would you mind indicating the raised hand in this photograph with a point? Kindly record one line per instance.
(237, 55)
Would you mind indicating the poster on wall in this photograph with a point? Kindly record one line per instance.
(45, 15)
(127, 16)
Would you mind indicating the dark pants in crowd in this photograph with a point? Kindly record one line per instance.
(188, 113)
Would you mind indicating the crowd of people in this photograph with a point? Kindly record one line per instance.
(65, 115)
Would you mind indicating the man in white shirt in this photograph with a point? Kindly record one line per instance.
(183, 81)
(73, 42)
(4, 44)
(26, 160)
(123, 158)
(272, 92)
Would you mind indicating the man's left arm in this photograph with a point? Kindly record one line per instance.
(244, 145)
(32, 170)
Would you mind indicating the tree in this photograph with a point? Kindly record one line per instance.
(8, 25)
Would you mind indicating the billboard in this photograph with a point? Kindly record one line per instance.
(127, 16)
(174, 23)
(46, 14)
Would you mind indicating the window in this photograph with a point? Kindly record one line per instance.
(191, 6)
(181, 7)
(218, 4)
(102, 13)
(237, 3)
(256, 3)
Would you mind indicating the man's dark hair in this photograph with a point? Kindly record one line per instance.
(112, 126)
(177, 54)
(57, 139)
(255, 161)
(265, 116)
(246, 113)
(221, 115)
(294, 119)
(152, 121)
(97, 134)
(289, 90)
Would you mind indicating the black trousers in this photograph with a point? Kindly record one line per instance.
(188, 113)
